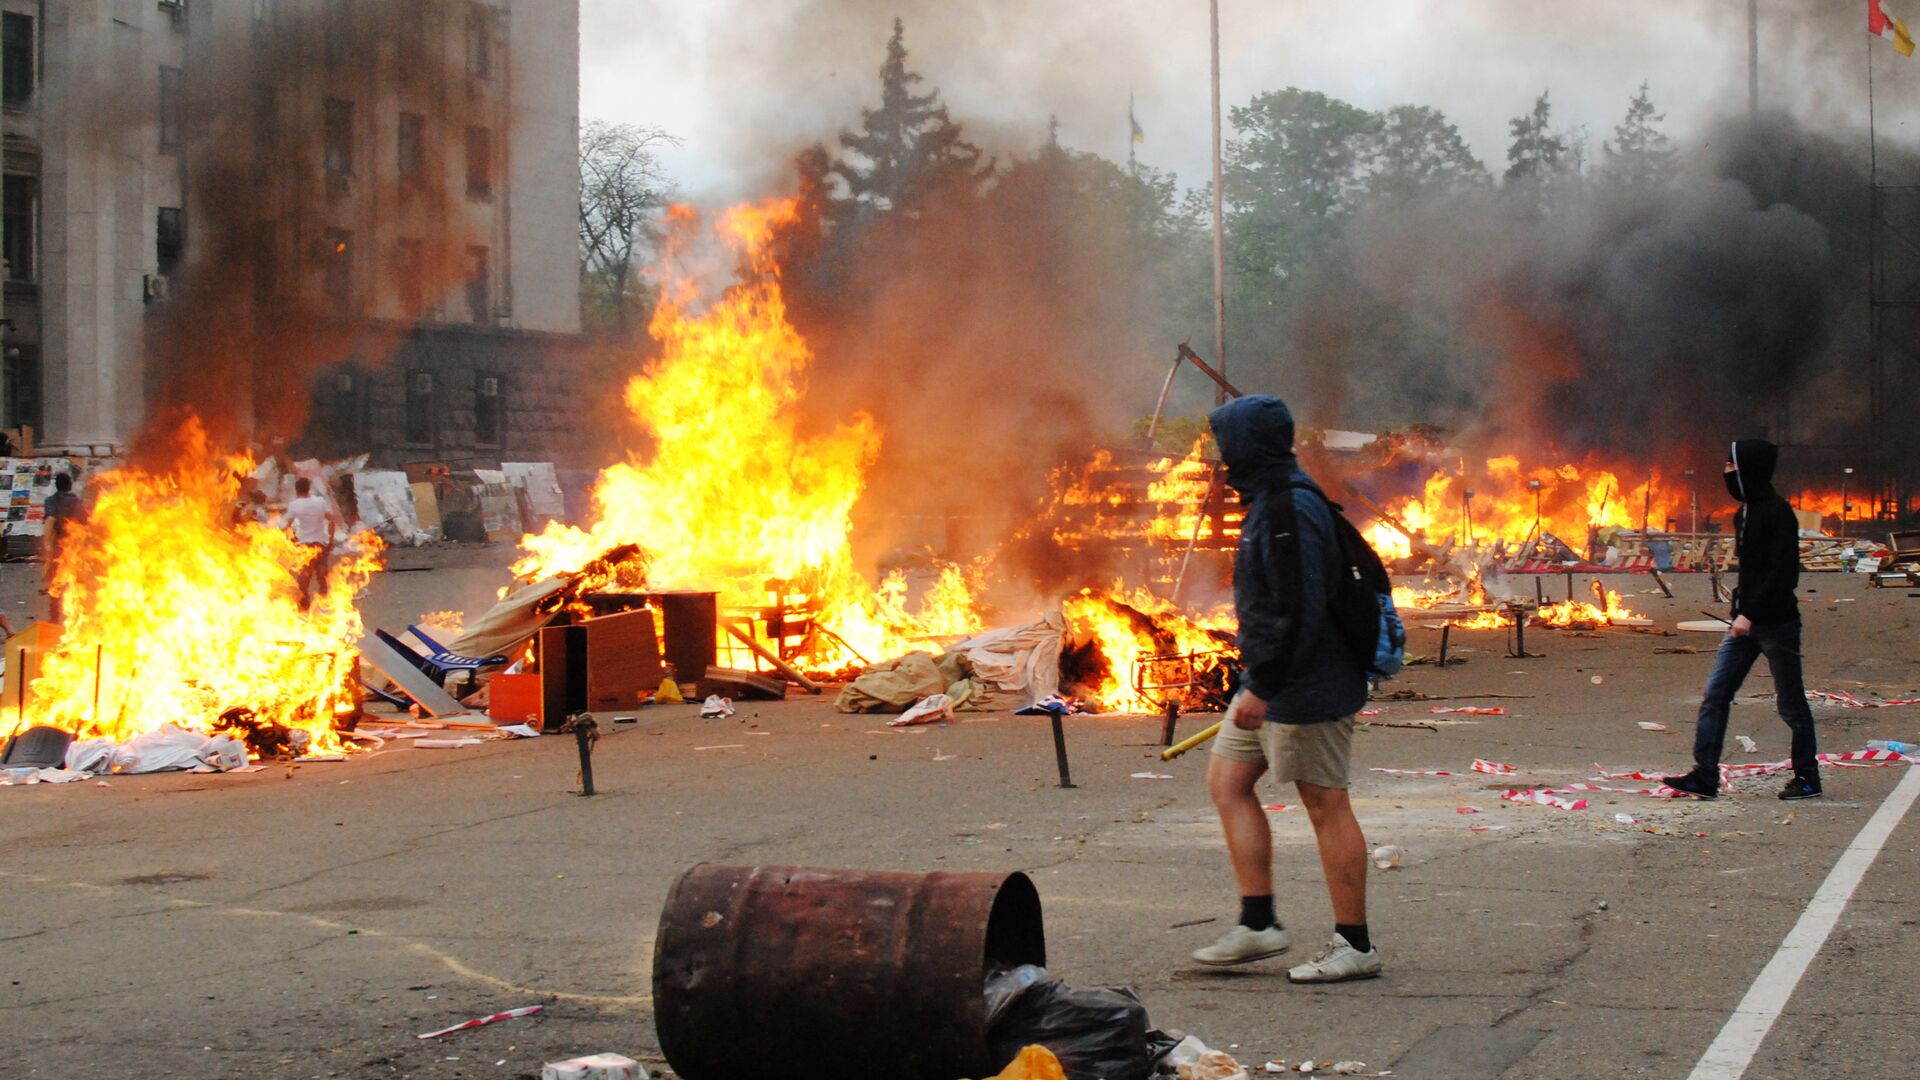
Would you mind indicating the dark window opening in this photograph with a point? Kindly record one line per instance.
(23, 385)
(339, 407)
(172, 108)
(489, 410)
(411, 270)
(479, 286)
(479, 41)
(266, 264)
(412, 151)
(339, 30)
(339, 275)
(16, 59)
(170, 239)
(419, 427)
(339, 136)
(19, 217)
(479, 163)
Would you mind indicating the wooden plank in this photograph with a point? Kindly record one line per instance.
(792, 673)
(563, 674)
(432, 698)
(728, 682)
(623, 660)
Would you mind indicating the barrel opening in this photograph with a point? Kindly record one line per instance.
(1016, 933)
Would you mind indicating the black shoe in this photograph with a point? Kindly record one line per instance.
(1696, 783)
(1801, 787)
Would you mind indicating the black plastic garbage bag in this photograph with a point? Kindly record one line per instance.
(1098, 1034)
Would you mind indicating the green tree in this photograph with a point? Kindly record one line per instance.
(1536, 153)
(1301, 159)
(908, 148)
(622, 190)
(1418, 152)
(1640, 157)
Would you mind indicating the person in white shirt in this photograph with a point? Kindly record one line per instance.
(313, 522)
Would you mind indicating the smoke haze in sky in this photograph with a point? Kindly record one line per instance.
(746, 84)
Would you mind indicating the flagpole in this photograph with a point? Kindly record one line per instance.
(1219, 218)
(1133, 164)
(1876, 366)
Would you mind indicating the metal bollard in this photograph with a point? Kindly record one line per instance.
(1060, 751)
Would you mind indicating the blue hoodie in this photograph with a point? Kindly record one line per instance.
(1283, 570)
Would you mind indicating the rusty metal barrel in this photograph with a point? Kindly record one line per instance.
(773, 972)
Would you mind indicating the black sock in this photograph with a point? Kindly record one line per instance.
(1256, 912)
(1356, 936)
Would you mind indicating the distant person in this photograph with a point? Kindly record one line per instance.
(1295, 709)
(64, 510)
(1766, 622)
(313, 523)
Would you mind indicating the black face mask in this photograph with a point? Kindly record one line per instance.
(1733, 486)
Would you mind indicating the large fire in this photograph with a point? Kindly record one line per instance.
(174, 615)
(1150, 651)
(734, 496)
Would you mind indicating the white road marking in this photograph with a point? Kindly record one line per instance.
(1732, 1051)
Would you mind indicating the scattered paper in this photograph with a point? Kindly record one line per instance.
(1747, 746)
(1470, 710)
(1149, 776)
(1649, 725)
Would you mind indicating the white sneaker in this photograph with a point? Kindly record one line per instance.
(1338, 962)
(1243, 946)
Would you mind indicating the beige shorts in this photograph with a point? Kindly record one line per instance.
(1318, 754)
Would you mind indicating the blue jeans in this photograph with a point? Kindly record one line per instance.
(1779, 642)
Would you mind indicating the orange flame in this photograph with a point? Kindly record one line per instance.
(734, 493)
(174, 615)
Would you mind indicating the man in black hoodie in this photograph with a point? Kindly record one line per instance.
(1766, 622)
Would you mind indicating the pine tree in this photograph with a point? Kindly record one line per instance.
(1536, 153)
(906, 149)
(1640, 157)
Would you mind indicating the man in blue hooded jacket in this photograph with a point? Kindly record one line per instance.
(1295, 709)
(1766, 622)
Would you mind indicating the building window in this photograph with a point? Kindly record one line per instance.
(266, 264)
(419, 408)
(479, 286)
(338, 407)
(339, 30)
(16, 59)
(489, 410)
(410, 268)
(413, 151)
(339, 274)
(170, 239)
(23, 385)
(479, 41)
(173, 108)
(339, 136)
(479, 163)
(19, 196)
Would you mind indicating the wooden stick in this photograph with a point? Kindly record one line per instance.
(1160, 409)
(792, 673)
(1190, 742)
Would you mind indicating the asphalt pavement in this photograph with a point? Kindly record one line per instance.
(314, 924)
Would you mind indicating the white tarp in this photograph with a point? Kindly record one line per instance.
(386, 506)
(1014, 666)
(542, 486)
(165, 750)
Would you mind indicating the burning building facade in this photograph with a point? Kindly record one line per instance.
(393, 186)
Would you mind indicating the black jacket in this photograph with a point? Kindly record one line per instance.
(1288, 559)
(1766, 537)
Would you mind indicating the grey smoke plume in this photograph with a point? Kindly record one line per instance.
(1636, 326)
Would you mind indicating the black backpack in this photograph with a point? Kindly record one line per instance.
(1360, 604)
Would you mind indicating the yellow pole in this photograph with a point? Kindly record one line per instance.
(1185, 745)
